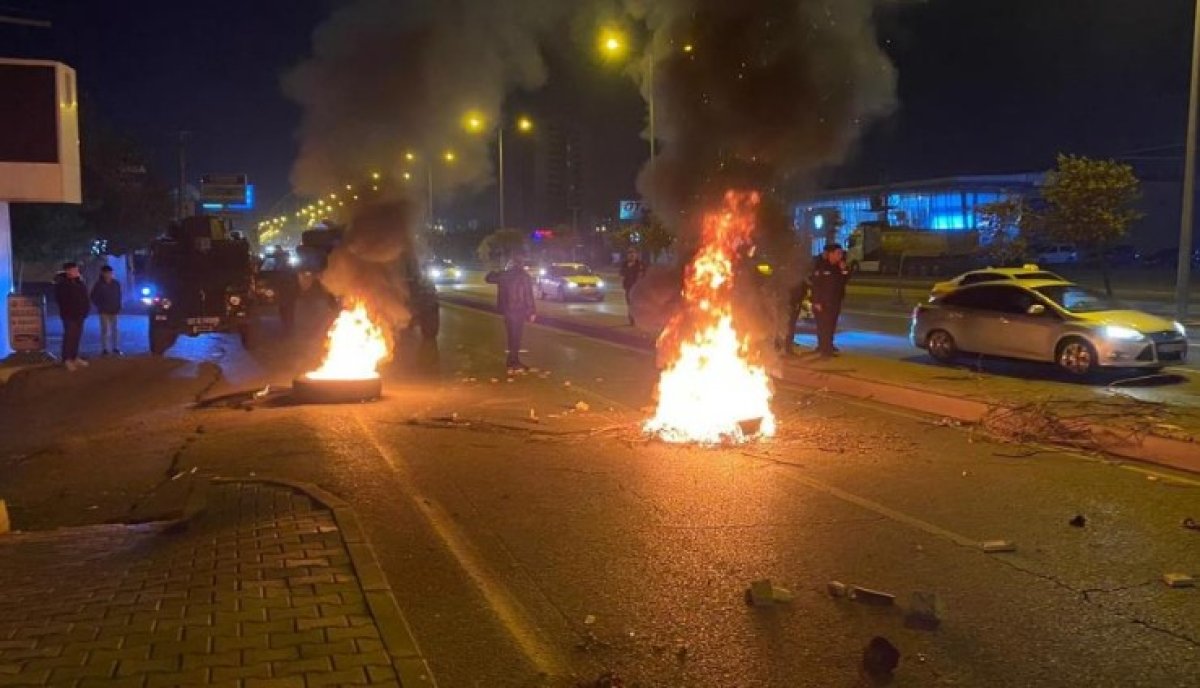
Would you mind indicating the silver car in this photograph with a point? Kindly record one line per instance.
(1051, 321)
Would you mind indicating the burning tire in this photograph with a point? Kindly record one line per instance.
(307, 390)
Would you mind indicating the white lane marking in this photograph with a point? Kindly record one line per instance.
(508, 609)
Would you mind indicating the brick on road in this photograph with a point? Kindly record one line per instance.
(259, 590)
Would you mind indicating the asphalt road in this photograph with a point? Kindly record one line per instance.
(533, 544)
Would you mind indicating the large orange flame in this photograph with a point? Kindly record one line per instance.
(711, 391)
(355, 348)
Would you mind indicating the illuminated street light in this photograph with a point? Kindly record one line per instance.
(474, 122)
(408, 176)
(612, 42)
(410, 156)
(449, 156)
(524, 124)
(349, 187)
(688, 48)
(375, 176)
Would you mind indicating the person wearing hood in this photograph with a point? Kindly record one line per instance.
(71, 295)
(514, 300)
(106, 296)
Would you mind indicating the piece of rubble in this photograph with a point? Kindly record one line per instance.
(589, 620)
(567, 383)
(763, 593)
(1079, 521)
(1190, 524)
(924, 611)
(495, 380)
(582, 406)
(996, 546)
(876, 598)
(835, 588)
(1179, 580)
(880, 658)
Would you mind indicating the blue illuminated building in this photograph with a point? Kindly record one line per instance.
(942, 205)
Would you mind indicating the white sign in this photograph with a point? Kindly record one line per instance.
(26, 323)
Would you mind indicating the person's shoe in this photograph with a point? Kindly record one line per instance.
(81, 363)
(837, 350)
(70, 365)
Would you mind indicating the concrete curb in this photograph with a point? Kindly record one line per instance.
(1161, 451)
(394, 630)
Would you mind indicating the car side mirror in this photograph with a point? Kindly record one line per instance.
(1036, 309)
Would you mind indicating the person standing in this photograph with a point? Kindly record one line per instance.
(632, 269)
(106, 297)
(828, 283)
(71, 295)
(514, 299)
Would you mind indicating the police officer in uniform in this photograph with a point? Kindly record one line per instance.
(828, 282)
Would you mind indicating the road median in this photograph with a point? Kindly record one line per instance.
(1091, 418)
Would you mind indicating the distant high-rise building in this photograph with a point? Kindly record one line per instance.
(558, 175)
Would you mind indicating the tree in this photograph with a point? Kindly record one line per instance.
(1090, 203)
(651, 236)
(1004, 228)
(502, 243)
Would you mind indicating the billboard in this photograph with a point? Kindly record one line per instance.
(39, 132)
(631, 211)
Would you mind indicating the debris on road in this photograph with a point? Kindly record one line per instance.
(762, 593)
(1179, 580)
(924, 611)
(567, 383)
(589, 620)
(996, 546)
(947, 422)
(1079, 521)
(582, 406)
(880, 658)
(495, 380)
(599, 379)
(836, 588)
(533, 416)
(876, 598)
(608, 679)
(1190, 524)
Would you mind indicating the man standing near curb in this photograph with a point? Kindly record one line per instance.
(514, 299)
(106, 296)
(71, 295)
(828, 284)
(632, 270)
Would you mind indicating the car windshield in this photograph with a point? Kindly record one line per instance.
(572, 270)
(1077, 299)
(1037, 276)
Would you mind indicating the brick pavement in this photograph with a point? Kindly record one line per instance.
(258, 591)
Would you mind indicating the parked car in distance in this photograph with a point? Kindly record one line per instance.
(1029, 271)
(1120, 256)
(1057, 254)
(442, 271)
(569, 281)
(1167, 258)
(1046, 320)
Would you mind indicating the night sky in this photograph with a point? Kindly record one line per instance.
(984, 85)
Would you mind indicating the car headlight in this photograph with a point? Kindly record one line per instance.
(572, 285)
(599, 284)
(235, 300)
(1122, 332)
(165, 303)
(457, 273)
(1181, 329)
(435, 273)
(269, 293)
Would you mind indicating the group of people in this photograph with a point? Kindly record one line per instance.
(75, 302)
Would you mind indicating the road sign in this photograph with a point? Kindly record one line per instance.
(631, 210)
(26, 323)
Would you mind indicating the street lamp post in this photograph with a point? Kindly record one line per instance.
(1183, 278)
(475, 124)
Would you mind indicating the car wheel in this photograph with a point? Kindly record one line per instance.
(941, 346)
(1076, 356)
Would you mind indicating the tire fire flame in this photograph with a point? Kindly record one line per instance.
(355, 348)
(712, 391)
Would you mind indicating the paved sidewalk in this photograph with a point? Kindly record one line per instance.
(258, 591)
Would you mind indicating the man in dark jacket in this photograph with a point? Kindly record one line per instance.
(106, 296)
(828, 284)
(514, 299)
(71, 294)
(632, 269)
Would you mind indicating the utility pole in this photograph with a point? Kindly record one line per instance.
(500, 149)
(1183, 279)
(181, 195)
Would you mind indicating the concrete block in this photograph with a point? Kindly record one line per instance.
(836, 588)
(1179, 580)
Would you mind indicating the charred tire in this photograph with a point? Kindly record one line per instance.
(308, 391)
(161, 339)
(940, 344)
(1075, 356)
